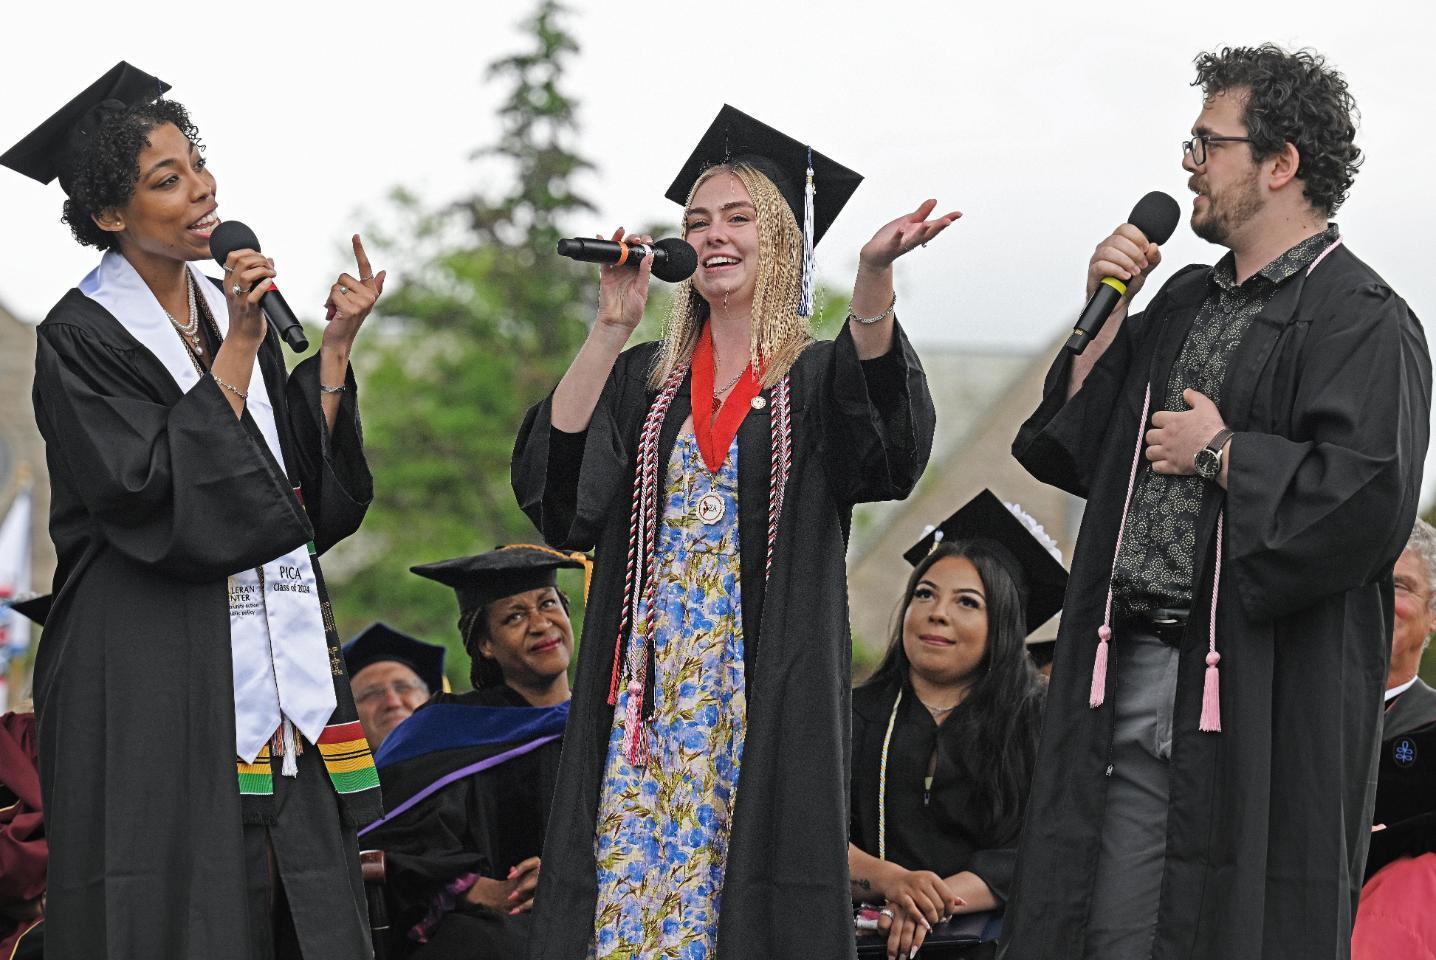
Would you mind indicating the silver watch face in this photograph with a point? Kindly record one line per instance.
(1208, 463)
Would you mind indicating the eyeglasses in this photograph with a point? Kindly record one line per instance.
(401, 689)
(1197, 146)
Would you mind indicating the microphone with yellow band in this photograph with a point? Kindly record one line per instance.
(1156, 215)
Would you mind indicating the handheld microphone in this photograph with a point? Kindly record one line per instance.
(1156, 215)
(673, 258)
(231, 235)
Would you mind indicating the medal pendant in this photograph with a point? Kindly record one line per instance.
(711, 508)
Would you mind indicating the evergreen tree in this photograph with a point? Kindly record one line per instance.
(481, 324)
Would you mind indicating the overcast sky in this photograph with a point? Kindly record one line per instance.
(1042, 122)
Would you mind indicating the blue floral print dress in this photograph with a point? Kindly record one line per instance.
(662, 832)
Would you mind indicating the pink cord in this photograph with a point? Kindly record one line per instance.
(1211, 721)
(1104, 632)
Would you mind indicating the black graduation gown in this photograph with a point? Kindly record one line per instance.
(861, 431)
(156, 498)
(1406, 779)
(948, 832)
(1269, 820)
(485, 823)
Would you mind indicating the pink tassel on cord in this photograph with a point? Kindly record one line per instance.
(633, 724)
(1211, 721)
(1099, 668)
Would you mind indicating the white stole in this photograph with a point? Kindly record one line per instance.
(276, 629)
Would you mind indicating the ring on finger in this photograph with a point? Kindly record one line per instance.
(236, 289)
(366, 279)
(885, 912)
(343, 289)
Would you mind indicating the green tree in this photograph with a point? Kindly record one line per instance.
(481, 324)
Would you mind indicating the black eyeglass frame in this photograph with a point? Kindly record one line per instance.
(1201, 140)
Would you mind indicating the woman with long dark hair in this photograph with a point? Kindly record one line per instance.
(946, 729)
(700, 808)
(203, 769)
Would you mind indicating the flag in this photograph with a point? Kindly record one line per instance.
(14, 583)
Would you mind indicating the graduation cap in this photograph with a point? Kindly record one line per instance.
(379, 642)
(482, 579)
(34, 609)
(816, 187)
(1031, 556)
(45, 152)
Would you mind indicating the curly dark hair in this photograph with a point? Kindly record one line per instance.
(1292, 98)
(100, 173)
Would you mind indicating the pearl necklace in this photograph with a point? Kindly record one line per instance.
(190, 331)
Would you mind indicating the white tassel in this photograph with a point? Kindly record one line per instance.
(290, 768)
(808, 292)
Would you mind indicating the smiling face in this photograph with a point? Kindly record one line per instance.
(1414, 618)
(1228, 187)
(944, 630)
(386, 693)
(172, 211)
(721, 223)
(529, 636)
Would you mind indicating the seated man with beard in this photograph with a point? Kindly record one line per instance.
(468, 778)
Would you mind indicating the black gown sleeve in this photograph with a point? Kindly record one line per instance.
(1323, 509)
(185, 487)
(878, 422)
(567, 483)
(1061, 443)
(330, 467)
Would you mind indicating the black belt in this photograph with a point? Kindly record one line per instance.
(1167, 624)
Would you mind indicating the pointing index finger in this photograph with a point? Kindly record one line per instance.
(365, 270)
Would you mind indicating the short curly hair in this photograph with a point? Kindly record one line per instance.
(100, 173)
(1292, 98)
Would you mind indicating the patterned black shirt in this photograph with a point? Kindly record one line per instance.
(1154, 567)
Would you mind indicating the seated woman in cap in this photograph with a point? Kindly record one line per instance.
(190, 675)
(945, 731)
(468, 778)
(715, 472)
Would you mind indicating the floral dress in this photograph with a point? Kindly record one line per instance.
(662, 832)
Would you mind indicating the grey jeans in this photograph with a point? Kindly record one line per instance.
(1122, 921)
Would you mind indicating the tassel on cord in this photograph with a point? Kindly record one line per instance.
(290, 767)
(1098, 693)
(1211, 721)
(633, 724)
(808, 290)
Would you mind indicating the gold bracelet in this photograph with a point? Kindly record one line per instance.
(244, 397)
(869, 321)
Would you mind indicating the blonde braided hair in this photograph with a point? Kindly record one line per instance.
(778, 333)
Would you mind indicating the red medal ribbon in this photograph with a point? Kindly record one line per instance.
(715, 434)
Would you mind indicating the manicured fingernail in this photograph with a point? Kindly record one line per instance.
(513, 911)
(912, 953)
(513, 896)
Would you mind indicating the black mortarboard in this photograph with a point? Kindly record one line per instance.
(1031, 556)
(789, 163)
(35, 608)
(503, 572)
(42, 154)
(379, 642)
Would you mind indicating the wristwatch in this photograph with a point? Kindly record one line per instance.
(1208, 460)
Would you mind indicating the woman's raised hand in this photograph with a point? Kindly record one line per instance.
(350, 301)
(623, 291)
(903, 234)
